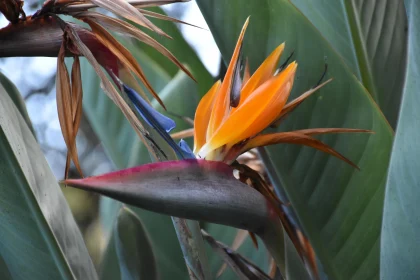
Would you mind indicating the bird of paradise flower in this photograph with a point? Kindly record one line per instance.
(229, 121)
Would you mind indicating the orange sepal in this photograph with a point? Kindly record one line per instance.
(202, 116)
(221, 104)
(253, 117)
(247, 73)
(263, 73)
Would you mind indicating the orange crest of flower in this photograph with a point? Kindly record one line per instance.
(230, 118)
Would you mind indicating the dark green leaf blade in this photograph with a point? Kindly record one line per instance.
(133, 247)
(371, 36)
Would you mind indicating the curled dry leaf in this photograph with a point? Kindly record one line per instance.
(294, 138)
(167, 18)
(125, 28)
(187, 133)
(12, 9)
(76, 106)
(107, 86)
(124, 56)
(243, 268)
(66, 102)
(289, 107)
(126, 10)
(239, 239)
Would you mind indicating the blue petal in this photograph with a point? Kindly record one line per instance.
(159, 122)
(188, 153)
(142, 106)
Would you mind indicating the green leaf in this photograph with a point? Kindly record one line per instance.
(340, 208)
(400, 243)
(40, 239)
(133, 246)
(17, 99)
(371, 37)
(169, 260)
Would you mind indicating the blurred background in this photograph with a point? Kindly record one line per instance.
(35, 79)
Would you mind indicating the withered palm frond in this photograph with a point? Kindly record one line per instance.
(12, 10)
(98, 45)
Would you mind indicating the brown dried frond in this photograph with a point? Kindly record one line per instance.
(106, 84)
(12, 10)
(301, 243)
(124, 55)
(125, 28)
(68, 99)
(167, 18)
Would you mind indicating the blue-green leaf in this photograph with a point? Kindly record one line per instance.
(40, 239)
(400, 243)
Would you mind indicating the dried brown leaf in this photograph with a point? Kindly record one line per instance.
(125, 28)
(76, 93)
(289, 107)
(239, 239)
(309, 253)
(65, 109)
(167, 18)
(294, 138)
(227, 258)
(76, 96)
(80, 6)
(317, 131)
(126, 58)
(183, 134)
(12, 9)
(126, 10)
(108, 88)
(272, 269)
(153, 3)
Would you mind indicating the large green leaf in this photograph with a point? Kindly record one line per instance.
(371, 37)
(14, 94)
(40, 239)
(400, 243)
(134, 250)
(339, 207)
